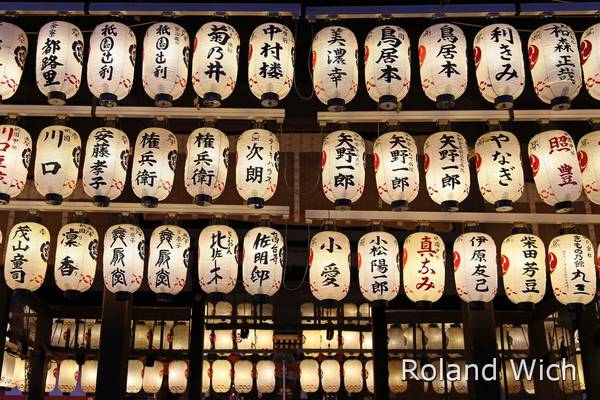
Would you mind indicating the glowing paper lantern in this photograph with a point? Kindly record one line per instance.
(265, 376)
(329, 344)
(369, 376)
(168, 260)
(262, 262)
(335, 66)
(395, 381)
(242, 376)
(330, 376)
(111, 62)
(105, 164)
(123, 259)
(475, 267)
(20, 378)
(89, 373)
(378, 266)
(68, 375)
(263, 340)
(396, 340)
(217, 259)
(15, 156)
(152, 377)
(461, 385)
(143, 335)
(58, 61)
(178, 374)
(311, 340)
(350, 341)
(26, 259)
(8, 370)
(423, 264)
(309, 375)
(556, 172)
(215, 62)
(499, 64)
(51, 375)
(94, 336)
(447, 169)
(180, 336)
(590, 59)
(353, 375)
(76, 254)
(329, 267)
(221, 376)
(587, 148)
(13, 53)
(135, 372)
(271, 63)
(223, 339)
(343, 168)
(524, 268)
(455, 340)
(58, 150)
(205, 376)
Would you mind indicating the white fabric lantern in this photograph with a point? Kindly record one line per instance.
(329, 267)
(455, 343)
(343, 168)
(154, 160)
(423, 264)
(447, 169)
(524, 268)
(51, 376)
(111, 62)
(15, 156)
(475, 267)
(309, 375)
(271, 63)
(378, 266)
(223, 339)
(350, 342)
(353, 375)
(330, 376)
(143, 335)
(206, 372)
(94, 335)
(499, 169)
(554, 64)
(165, 62)
(58, 150)
(499, 64)
(311, 340)
(461, 385)
(168, 260)
(217, 259)
(572, 269)
(89, 373)
(262, 262)
(8, 370)
(206, 164)
(221, 376)
(443, 63)
(68, 375)
(396, 340)
(58, 61)
(152, 377)
(242, 376)
(395, 381)
(589, 164)
(178, 376)
(335, 66)
(257, 166)
(265, 376)
(135, 372)
(180, 336)
(215, 62)
(76, 254)
(387, 65)
(123, 259)
(26, 259)
(263, 340)
(13, 54)
(20, 375)
(105, 165)
(329, 346)
(555, 168)
(590, 59)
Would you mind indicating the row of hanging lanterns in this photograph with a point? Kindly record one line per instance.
(162, 335)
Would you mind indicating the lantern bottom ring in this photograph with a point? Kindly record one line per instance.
(423, 305)
(202, 200)
(504, 102)
(72, 294)
(164, 297)
(269, 100)
(54, 199)
(255, 202)
(560, 103)
(101, 201)
(476, 305)
(399, 205)
(563, 207)
(163, 100)
(108, 100)
(4, 198)
(150, 201)
(336, 105)
(56, 98)
(343, 204)
(122, 296)
(450, 205)
(503, 205)
(388, 103)
(211, 99)
(445, 101)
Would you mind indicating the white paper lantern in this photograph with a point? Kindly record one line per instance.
(572, 269)
(475, 267)
(26, 259)
(395, 381)
(58, 61)
(257, 166)
(369, 376)
(367, 341)
(447, 169)
(461, 385)
(329, 267)
(152, 377)
(350, 311)
(89, 373)
(111, 62)
(215, 62)
(396, 340)
(206, 164)
(180, 336)
(590, 59)
(76, 254)
(329, 345)
(330, 376)
(68, 376)
(311, 340)
(105, 164)
(165, 62)
(553, 160)
(423, 264)
(178, 376)
(223, 339)
(262, 262)
(223, 311)
(123, 259)
(353, 375)
(8, 370)
(168, 260)
(343, 167)
(265, 376)
(242, 376)
(499, 64)
(143, 335)
(51, 376)
(271, 63)
(206, 372)
(455, 343)
(378, 266)
(309, 375)
(524, 268)
(263, 340)
(499, 169)
(335, 66)
(154, 160)
(20, 378)
(221, 376)
(589, 163)
(217, 259)
(13, 54)
(58, 150)
(15, 156)
(94, 335)
(443, 63)
(135, 372)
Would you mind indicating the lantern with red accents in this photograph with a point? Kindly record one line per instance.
(27, 248)
(589, 163)
(123, 259)
(178, 376)
(15, 156)
(217, 259)
(168, 261)
(329, 266)
(265, 376)
(378, 266)
(590, 59)
(13, 53)
(423, 267)
(330, 375)
(262, 262)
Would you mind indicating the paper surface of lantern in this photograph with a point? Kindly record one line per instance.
(105, 164)
(168, 260)
(499, 65)
(153, 376)
(8, 370)
(353, 375)
(15, 156)
(68, 375)
(387, 65)
(217, 259)
(461, 385)
(309, 375)
(76, 255)
(499, 169)
(396, 340)
(13, 54)
(51, 376)
(475, 267)
(443, 63)
(165, 62)
(221, 376)
(58, 61)
(180, 336)
(572, 269)
(329, 345)
(206, 164)
(154, 159)
(350, 341)
(178, 374)
(143, 335)
(123, 259)
(590, 59)
(271, 63)
(395, 381)
(135, 371)
(369, 376)
(423, 264)
(27, 249)
(205, 376)
(263, 340)
(378, 266)
(242, 376)
(330, 376)
(111, 62)
(554, 64)
(262, 262)
(215, 62)
(223, 339)
(556, 172)
(329, 267)
(524, 268)
(265, 376)
(589, 164)
(20, 375)
(343, 167)
(89, 373)
(58, 150)
(447, 169)
(335, 66)
(455, 343)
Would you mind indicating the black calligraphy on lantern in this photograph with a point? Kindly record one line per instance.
(530, 264)
(447, 51)
(478, 259)
(336, 50)
(109, 34)
(346, 155)
(50, 61)
(379, 253)
(503, 36)
(565, 47)
(218, 37)
(578, 277)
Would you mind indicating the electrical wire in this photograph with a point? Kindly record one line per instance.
(312, 92)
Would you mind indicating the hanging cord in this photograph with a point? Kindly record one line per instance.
(284, 162)
(289, 289)
(312, 91)
(318, 180)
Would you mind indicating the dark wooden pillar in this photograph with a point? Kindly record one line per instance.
(380, 350)
(38, 361)
(194, 388)
(538, 350)
(5, 297)
(589, 340)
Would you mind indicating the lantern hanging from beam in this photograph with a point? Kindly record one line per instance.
(13, 54)
(178, 376)
(153, 377)
(68, 375)
(242, 376)
(15, 156)
(135, 373)
(89, 373)
(590, 59)
(379, 266)
(329, 267)
(26, 259)
(221, 376)
(168, 260)
(589, 164)
(423, 264)
(330, 375)
(309, 375)
(353, 375)
(396, 340)
(123, 259)
(51, 376)
(524, 268)
(265, 376)
(475, 267)
(217, 259)
(262, 262)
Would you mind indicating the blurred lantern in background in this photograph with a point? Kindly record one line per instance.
(330, 375)
(68, 375)
(178, 374)
(135, 372)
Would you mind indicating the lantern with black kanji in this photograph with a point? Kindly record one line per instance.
(524, 268)
(423, 267)
(590, 59)
(330, 375)
(27, 248)
(309, 375)
(378, 266)
(262, 262)
(555, 168)
(168, 260)
(111, 62)
(217, 259)
(15, 156)
(76, 255)
(589, 164)
(329, 267)
(335, 66)
(13, 53)
(123, 259)
(178, 374)
(554, 64)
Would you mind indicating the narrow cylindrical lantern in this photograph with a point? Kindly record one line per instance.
(215, 62)
(396, 340)
(111, 62)
(26, 259)
(350, 342)
(93, 338)
(242, 376)
(180, 336)
(555, 168)
(76, 254)
(330, 375)
(58, 61)
(20, 378)
(475, 268)
(589, 164)
(309, 375)
(205, 376)
(15, 156)
(142, 335)
(13, 54)
(353, 375)
(168, 260)
(447, 169)
(423, 267)
(499, 64)
(455, 344)
(165, 62)
(265, 376)
(135, 372)
(105, 165)
(590, 59)
(123, 259)
(263, 340)
(223, 339)
(89, 373)
(262, 262)
(178, 376)
(217, 259)
(8, 370)
(395, 381)
(51, 376)
(378, 266)
(271, 63)
(68, 375)
(554, 64)
(206, 164)
(343, 168)
(369, 376)
(57, 155)
(329, 267)
(524, 268)
(335, 66)
(461, 385)
(153, 377)
(221, 376)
